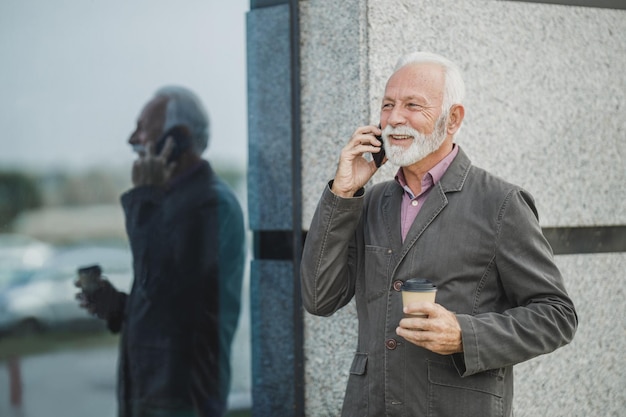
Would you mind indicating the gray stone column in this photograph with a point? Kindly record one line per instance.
(274, 202)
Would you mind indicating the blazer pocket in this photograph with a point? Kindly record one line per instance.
(359, 364)
(356, 400)
(475, 395)
(377, 264)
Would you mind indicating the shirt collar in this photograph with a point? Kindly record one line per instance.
(433, 175)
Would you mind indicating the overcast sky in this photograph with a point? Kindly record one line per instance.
(74, 75)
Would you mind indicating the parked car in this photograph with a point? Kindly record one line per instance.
(42, 298)
(45, 299)
(20, 256)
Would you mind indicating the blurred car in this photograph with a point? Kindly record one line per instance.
(45, 299)
(20, 256)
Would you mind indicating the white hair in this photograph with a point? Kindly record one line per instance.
(185, 108)
(454, 87)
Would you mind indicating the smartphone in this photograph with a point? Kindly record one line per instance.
(182, 141)
(378, 157)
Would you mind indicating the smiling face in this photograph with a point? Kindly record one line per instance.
(411, 114)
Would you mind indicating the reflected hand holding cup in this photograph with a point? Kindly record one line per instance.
(98, 296)
(89, 278)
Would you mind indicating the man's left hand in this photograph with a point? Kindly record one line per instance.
(439, 331)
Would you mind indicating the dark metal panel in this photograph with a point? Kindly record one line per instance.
(579, 240)
(258, 4)
(605, 4)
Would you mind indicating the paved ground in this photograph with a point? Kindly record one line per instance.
(67, 384)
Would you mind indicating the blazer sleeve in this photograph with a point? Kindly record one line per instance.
(543, 317)
(328, 266)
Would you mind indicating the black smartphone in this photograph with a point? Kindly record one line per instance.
(378, 157)
(182, 141)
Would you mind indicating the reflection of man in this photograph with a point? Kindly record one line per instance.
(500, 300)
(186, 232)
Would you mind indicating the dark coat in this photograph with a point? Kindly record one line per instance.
(478, 239)
(181, 314)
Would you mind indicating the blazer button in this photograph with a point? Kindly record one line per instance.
(397, 285)
(391, 344)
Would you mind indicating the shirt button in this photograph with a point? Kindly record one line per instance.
(397, 285)
(391, 344)
(414, 203)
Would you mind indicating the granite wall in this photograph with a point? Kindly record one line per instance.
(546, 93)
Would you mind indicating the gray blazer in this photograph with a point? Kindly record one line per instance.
(478, 238)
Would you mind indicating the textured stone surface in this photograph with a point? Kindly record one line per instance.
(585, 378)
(333, 75)
(545, 93)
(271, 305)
(269, 119)
(544, 109)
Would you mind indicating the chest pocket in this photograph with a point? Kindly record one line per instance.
(377, 267)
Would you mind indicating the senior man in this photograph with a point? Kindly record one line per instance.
(501, 299)
(186, 232)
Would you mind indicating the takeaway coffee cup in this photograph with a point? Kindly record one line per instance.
(417, 289)
(89, 278)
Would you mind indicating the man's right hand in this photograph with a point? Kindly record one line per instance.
(353, 170)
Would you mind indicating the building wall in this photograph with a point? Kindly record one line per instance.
(545, 102)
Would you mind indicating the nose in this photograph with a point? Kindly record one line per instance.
(396, 117)
(133, 139)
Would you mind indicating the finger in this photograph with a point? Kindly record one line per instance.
(360, 138)
(82, 301)
(418, 307)
(170, 168)
(367, 130)
(414, 323)
(412, 335)
(168, 148)
(365, 139)
(149, 148)
(366, 134)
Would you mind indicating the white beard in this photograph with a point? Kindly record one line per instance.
(421, 147)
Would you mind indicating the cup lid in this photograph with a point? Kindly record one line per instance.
(90, 269)
(418, 284)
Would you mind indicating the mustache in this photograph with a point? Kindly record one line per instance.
(399, 130)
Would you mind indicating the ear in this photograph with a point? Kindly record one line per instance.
(455, 118)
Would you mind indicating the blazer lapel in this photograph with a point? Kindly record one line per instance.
(392, 200)
(436, 201)
(434, 204)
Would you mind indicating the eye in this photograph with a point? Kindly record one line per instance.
(387, 106)
(415, 106)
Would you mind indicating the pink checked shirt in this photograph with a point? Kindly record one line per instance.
(411, 204)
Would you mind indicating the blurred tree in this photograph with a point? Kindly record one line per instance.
(18, 192)
(87, 187)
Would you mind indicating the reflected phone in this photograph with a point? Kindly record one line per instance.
(182, 141)
(378, 157)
